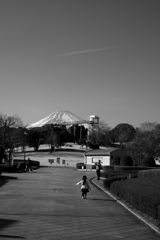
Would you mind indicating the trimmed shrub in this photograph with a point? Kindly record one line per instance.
(107, 182)
(108, 168)
(80, 165)
(128, 168)
(159, 213)
(126, 161)
(2, 154)
(113, 173)
(93, 146)
(141, 193)
(116, 160)
(93, 166)
(149, 162)
(34, 163)
(153, 173)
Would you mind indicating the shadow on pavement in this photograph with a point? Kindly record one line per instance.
(5, 179)
(101, 199)
(9, 236)
(5, 223)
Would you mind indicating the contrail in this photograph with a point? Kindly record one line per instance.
(87, 51)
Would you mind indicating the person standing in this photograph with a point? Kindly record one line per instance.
(84, 186)
(29, 166)
(98, 169)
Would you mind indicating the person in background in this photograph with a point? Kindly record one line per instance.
(84, 186)
(29, 166)
(98, 169)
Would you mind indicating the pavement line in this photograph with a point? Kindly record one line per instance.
(125, 206)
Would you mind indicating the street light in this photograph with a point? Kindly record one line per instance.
(25, 145)
(13, 153)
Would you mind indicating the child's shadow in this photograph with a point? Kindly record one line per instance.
(102, 199)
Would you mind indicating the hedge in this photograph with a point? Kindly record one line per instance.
(108, 168)
(153, 173)
(141, 193)
(34, 163)
(159, 214)
(116, 160)
(107, 182)
(126, 168)
(126, 161)
(80, 165)
(149, 161)
(109, 174)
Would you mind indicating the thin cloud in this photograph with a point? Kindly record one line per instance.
(88, 51)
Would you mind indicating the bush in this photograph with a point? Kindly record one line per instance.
(126, 161)
(81, 141)
(80, 165)
(141, 193)
(93, 146)
(107, 182)
(153, 173)
(118, 173)
(149, 162)
(108, 168)
(93, 166)
(159, 214)
(34, 163)
(2, 154)
(129, 168)
(116, 160)
(110, 171)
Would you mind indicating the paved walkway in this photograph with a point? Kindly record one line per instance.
(46, 204)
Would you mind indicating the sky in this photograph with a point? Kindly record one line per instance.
(89, 57)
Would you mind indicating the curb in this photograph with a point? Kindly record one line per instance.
(85, 170)
(125, 206)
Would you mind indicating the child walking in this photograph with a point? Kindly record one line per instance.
(84, 186)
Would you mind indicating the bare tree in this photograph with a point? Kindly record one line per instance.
(97, 133)
(148, 126)
(8, 127)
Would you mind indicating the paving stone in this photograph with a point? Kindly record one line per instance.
(47, 204)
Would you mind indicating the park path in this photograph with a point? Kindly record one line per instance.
(46, 204)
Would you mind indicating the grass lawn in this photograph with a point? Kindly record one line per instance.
(71, 155)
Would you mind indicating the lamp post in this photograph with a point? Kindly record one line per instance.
(13, 153)
(25, 145)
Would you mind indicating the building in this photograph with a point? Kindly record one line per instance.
(106, 156)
